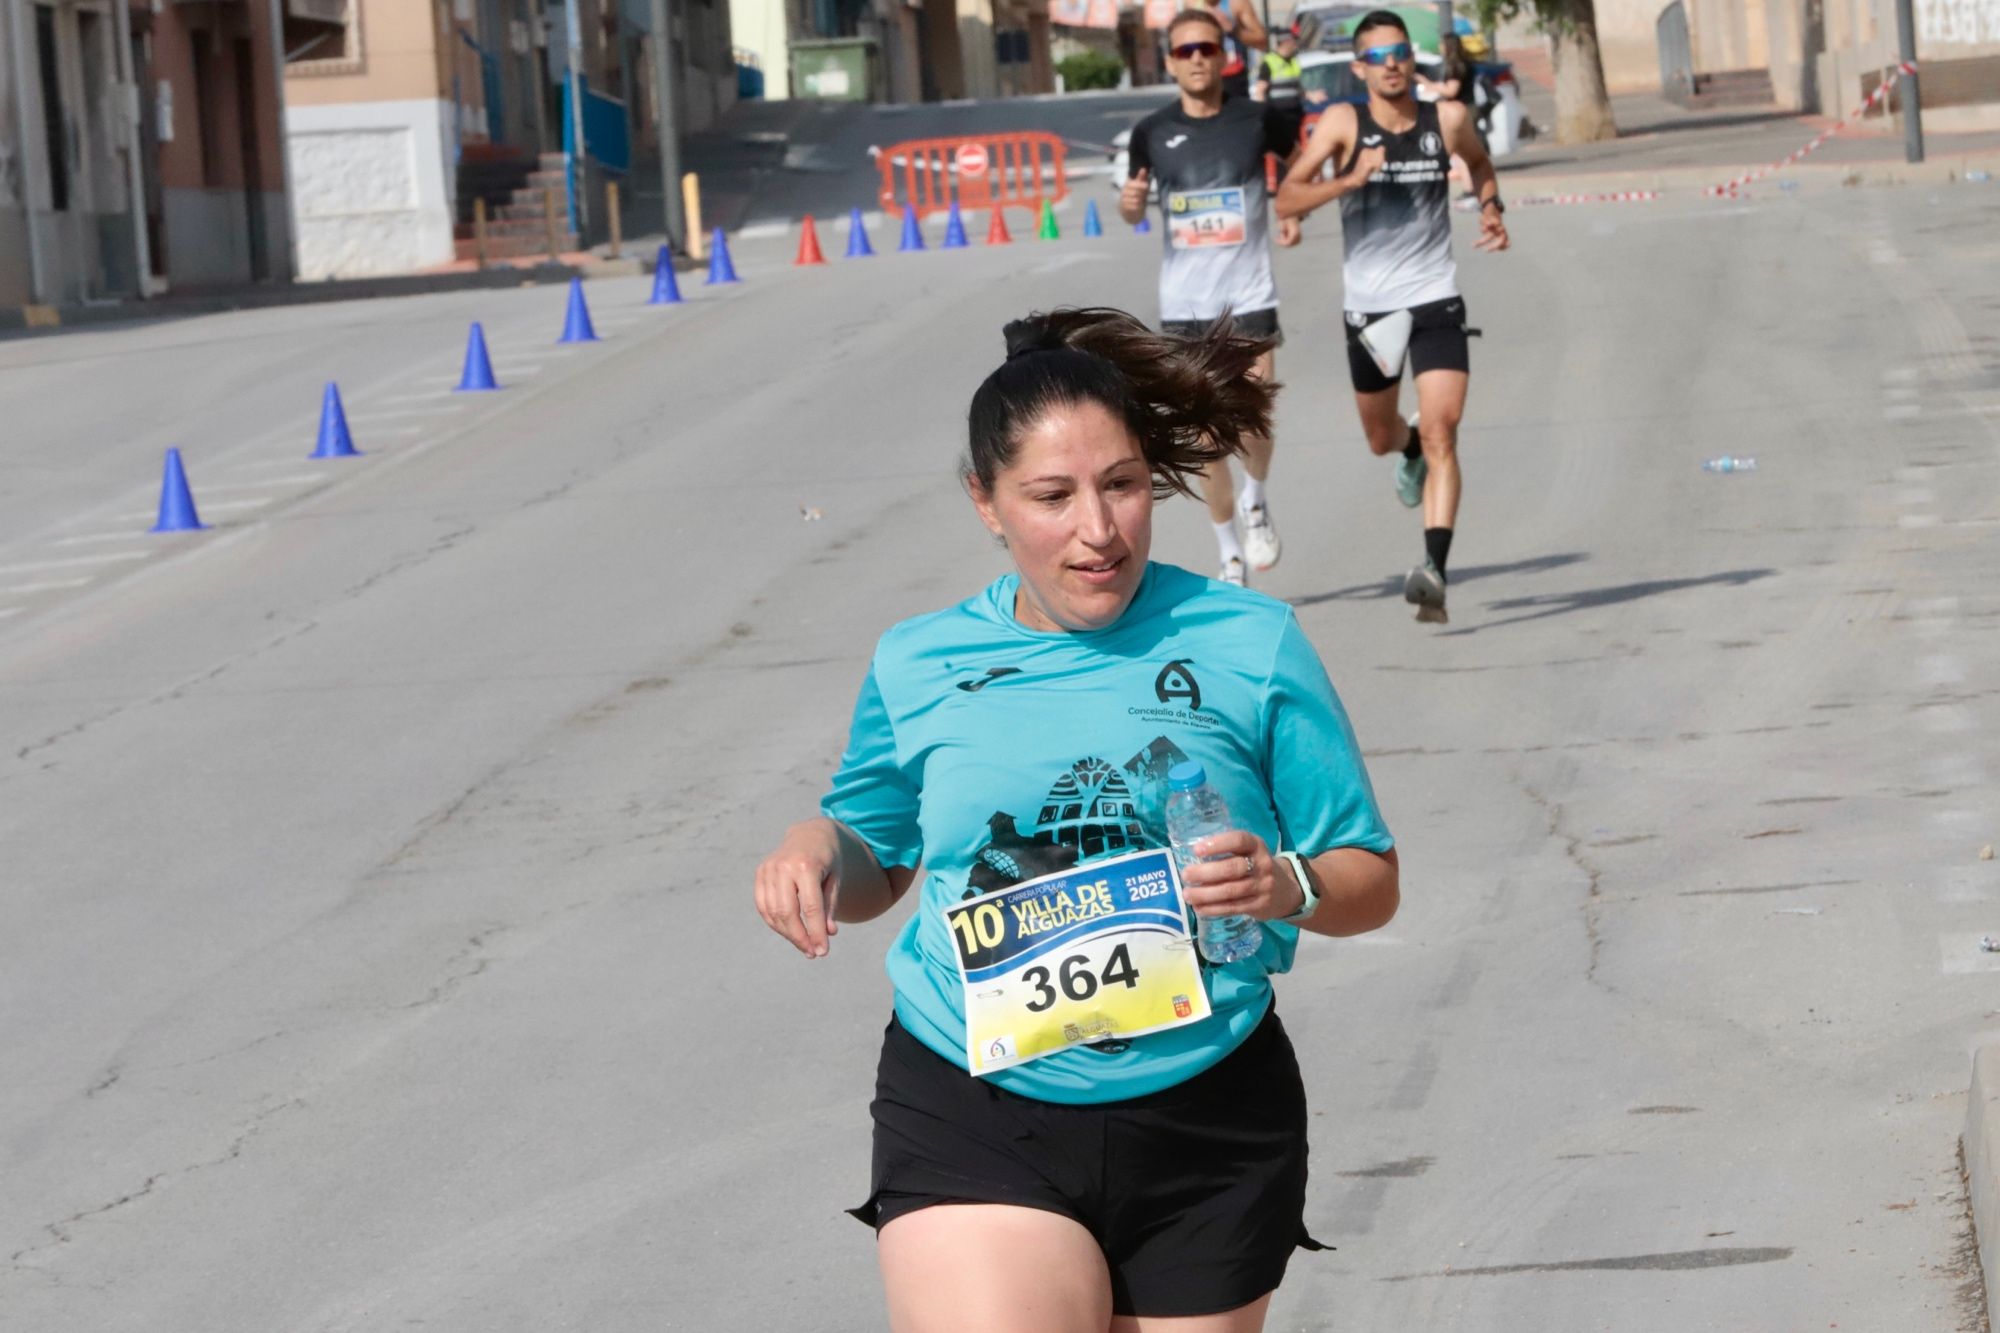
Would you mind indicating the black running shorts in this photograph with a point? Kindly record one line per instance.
(1249, 324)
(1196, 1193)
(1438, 341)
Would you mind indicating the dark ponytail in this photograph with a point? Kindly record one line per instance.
(1189, 402)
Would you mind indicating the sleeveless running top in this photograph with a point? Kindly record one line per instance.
(1396, 229)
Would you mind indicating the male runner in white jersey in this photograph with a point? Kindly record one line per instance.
(1393, 164)
(1207, 151)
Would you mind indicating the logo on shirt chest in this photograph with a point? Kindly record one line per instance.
(1430, 145)
(1175, 142)
(1176, 682)
(992, 674)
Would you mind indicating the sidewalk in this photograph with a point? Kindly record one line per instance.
(16, 321)
(1661, 145)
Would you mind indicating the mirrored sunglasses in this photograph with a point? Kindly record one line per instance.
(1382, 55)
(1189, 50)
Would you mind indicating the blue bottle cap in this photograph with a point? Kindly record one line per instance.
(1186, 776)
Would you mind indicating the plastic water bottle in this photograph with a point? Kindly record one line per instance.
(1728, 464)
(1195, 811)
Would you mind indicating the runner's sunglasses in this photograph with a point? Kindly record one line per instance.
(1189, 50)
(1382, 55)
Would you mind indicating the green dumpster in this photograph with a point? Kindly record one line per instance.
(834, 69)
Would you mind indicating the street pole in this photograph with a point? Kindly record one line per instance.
(579, 205)
(668, 126)
(1445, 28)
(1913, 114)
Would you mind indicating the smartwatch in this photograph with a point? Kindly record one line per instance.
(1305, 879)
(1493, 203)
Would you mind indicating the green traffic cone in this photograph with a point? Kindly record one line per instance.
(1047, 231)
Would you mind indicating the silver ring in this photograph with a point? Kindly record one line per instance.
(1249, 866)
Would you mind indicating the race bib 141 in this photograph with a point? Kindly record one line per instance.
(1080, 956)
(1206, 219)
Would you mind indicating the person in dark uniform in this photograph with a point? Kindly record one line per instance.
(1392, 179)
(1205, 151)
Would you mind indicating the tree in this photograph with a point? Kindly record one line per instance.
(1583, 107)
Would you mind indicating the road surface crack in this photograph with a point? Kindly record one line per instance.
(1593, 898)
(63, 1230)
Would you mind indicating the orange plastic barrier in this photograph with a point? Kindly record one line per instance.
(1015, 170)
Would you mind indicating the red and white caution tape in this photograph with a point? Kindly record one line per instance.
(1881, 91)
(1616, 197)
(1729, 188)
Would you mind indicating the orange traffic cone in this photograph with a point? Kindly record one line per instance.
(809, 245)
(997, 233)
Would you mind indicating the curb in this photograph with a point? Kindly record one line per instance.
(1694, 182)
(1982, 1159)
(35, 320)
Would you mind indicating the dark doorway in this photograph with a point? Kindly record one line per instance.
(251, 149)
(55, 125)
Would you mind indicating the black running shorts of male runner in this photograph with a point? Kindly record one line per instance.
(1195, 1193)
(1260, 324)
(1438, 341)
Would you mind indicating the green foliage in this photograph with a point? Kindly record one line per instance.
(1551, 16)
(1090, 69)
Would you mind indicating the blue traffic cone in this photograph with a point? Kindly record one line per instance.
(857, 236)
(176, 501)
(1143, 225)
(720, 269)
(666, 290)
(478, 375)
(954, 229)
(913, 232)
(334, 441)
(576, 324)
(1091, 225)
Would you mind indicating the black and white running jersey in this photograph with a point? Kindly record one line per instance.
(1216, 211)
(1397, 228)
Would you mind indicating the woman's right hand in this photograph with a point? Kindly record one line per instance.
(798, 886)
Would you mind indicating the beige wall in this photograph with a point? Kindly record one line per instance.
(398, 61)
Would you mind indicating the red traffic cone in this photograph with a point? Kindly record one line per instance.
(809, 245)
(997, 233)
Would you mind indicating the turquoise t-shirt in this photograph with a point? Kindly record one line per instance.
(989, 753)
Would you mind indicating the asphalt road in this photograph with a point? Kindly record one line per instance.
(378, 950)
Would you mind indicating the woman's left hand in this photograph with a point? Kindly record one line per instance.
(1245, 880)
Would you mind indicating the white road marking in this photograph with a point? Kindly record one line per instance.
(23, 589)
(73, 562)
(1947, 719)
(295, 480)
(1940, 669)
(91, 537)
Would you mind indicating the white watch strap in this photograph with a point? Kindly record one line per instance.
(1304, 877)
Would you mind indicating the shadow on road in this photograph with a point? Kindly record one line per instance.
(1561, 603)
(1393, 585)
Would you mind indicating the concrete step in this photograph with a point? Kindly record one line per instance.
(513, 247)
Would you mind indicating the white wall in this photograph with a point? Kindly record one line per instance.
(372, 186)
(760, 26)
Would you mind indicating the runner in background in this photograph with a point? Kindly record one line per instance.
(1206, 152)
(1242, 32)
(1392, 160)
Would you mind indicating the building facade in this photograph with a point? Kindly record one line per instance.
(407, 109)
(1821, 55)
(140, 148)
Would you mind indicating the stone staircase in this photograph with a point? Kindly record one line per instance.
(514, 185)
(1730, 88)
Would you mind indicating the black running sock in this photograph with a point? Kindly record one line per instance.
(1415, 448)
(1437, 545)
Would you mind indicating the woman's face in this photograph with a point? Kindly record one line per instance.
(1075, 508)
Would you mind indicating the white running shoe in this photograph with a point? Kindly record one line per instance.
(1260, 536)
(1232, 572)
